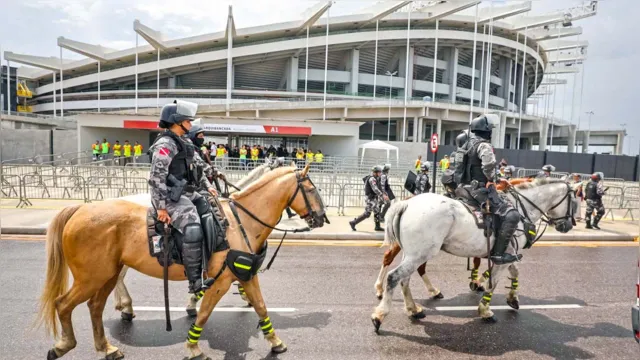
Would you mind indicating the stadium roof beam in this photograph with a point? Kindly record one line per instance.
(561, 70)
(553, 45)
(95, 52)
(444, 9)
(153, 37)
(571, 57)
(501, 12)
(552, 81)
(49, 63)
(312, 14)
(541, 34)
(559, 18)
(381, 10)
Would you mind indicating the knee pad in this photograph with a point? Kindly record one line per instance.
(192, 233)
(512, 217)
(202, 205)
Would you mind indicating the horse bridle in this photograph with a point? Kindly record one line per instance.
(545, 217)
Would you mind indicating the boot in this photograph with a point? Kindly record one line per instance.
(499, 255)
(192, 258)
(378, 228)
(358, 220)
(587, 219)
(596, 220)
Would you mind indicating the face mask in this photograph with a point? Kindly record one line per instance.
(198, 141)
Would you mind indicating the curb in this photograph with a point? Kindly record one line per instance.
(363, 236)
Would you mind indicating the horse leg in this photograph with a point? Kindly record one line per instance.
(484, 308)
(65, 304)
(434, 292)
(254, 293)
(211, 297)
(243, 294)
(389, 255)
(413, 310)
(122, 297)
(403, 271)
(476, 284)
(96, 308)
(512, 298)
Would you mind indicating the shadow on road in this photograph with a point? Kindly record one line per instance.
(522, 330)
(227, 332)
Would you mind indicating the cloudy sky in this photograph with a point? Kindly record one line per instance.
(611, 81)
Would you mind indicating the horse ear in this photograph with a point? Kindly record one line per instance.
(306, 169)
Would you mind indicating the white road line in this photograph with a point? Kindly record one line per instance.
(218, 309)
(505, 307)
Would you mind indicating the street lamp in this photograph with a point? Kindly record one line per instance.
(390, 74)
(589, 121)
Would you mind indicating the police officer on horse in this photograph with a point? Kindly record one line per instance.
(476, 175)
(173, 182)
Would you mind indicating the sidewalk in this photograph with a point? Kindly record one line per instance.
(35, 219)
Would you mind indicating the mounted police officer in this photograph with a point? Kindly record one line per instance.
(422, 180)
(593, 193)
(478, 175)
(508, 172)
(546, 171)
(374, 194)
(173, 182)
(386, 190)
(196, 135)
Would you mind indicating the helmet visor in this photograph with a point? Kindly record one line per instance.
(186, 109)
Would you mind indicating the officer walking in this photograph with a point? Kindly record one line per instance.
(478, 175)
(386, 190)
(546, 171)
(373, 192)
(422, 180)
(173, 181)
(593, 193)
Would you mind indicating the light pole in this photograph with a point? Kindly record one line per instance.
(589, 121)
(390, 88)
(624, 128)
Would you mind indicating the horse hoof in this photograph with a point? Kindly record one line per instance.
(419, 315)
(192, 312)
(473, 286)
(515, 304)
(126, 317)
(490, 320)
(480, 288)
(200, 357)
(51, 355)
(116, 355)
(438, 296)
(279, 349)
(376, 324)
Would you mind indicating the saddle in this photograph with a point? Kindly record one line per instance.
(155, 233)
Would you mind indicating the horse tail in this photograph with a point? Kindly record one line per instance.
(392, 225)
(56, 282)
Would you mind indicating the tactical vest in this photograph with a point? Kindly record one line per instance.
(474, 163)
(368, 190)
(182, 166)
(591, 191)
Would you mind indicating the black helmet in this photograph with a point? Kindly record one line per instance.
(461, 139)
(386, 167)
(424, 167)
(549, 168)
(597, 176)
(376, 168)
(480, 124)
(177, 112)
(193, 133)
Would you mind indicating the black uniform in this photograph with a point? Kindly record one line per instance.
(593, 193)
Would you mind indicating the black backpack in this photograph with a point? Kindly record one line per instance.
(461, 159)
(368, 191)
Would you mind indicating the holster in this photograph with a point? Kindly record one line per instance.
(176, 188)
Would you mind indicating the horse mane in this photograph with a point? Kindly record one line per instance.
(253, 175)
(538, 182)
(264, 180)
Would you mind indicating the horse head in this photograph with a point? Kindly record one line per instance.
(554, 200)
(306, 200)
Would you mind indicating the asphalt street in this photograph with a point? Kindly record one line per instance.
(323, 297)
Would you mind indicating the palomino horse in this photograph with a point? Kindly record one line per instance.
(456, 233)
(94, 241)
(474, 285)
(123, 301)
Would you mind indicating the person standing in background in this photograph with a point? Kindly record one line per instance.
(137, 151)
(117, 152)
(418, 164)
(127, 152)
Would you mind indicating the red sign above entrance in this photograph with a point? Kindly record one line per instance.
(230, 128)
(140, 124)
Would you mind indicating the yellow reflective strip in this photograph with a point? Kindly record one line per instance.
(192, 341)
(241, 266)
(267, 319)
(196, 328)
(270, 331)
(266, 326)
(532, 232)
(194, 335)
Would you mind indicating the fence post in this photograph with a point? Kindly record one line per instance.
(544, 157)
(636, 169)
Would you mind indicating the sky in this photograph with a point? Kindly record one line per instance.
(610, 81)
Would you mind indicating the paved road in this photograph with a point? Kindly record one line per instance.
(326, 297)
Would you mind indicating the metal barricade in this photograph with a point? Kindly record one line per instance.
(11, 186)
(60, 187)
(115, 187)
(631, 200)
(612, 200)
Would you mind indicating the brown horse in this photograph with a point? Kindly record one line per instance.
(95, 241)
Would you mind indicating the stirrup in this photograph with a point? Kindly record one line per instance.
(506, 258)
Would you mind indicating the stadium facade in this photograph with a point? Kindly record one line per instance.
(398, 71)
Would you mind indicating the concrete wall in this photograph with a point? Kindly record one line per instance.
(89, 135)
(334, 145)
(65, 141)
(17, 144)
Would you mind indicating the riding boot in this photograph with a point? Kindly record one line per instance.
(358, 220)
(378, 228)
(192, 258)
(509, 225)
(587, 219)
(385, 207)
(596, 220)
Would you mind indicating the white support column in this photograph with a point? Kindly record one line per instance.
(9, 87)
(61, 87)
(453, 74)
(555, 86)
(544, 133)
(375, 62)
(482, 63)
(487, 78)
(585, 141)
(420, 129)
(306, 67)
(354, 68)
(158, 80)
(230, 69)
(435, 67)
(408, 72)
(292, 76)
(571, 144)
(524, 66)
(535, 77)
(326, 59)
(54, 95)
(439, 130)
(136, 95)
(415, 129)
(473, 63)
(503, 130)
(98, 85)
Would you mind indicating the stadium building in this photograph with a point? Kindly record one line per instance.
(398, 72)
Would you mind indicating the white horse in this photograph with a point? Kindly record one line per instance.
(123, 301)
(454, 230)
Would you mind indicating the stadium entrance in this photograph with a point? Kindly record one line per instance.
(289, 137)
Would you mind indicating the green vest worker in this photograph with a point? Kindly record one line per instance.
(105, 146)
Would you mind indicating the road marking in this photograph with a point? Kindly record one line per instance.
(505, 307)
(218, 309)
